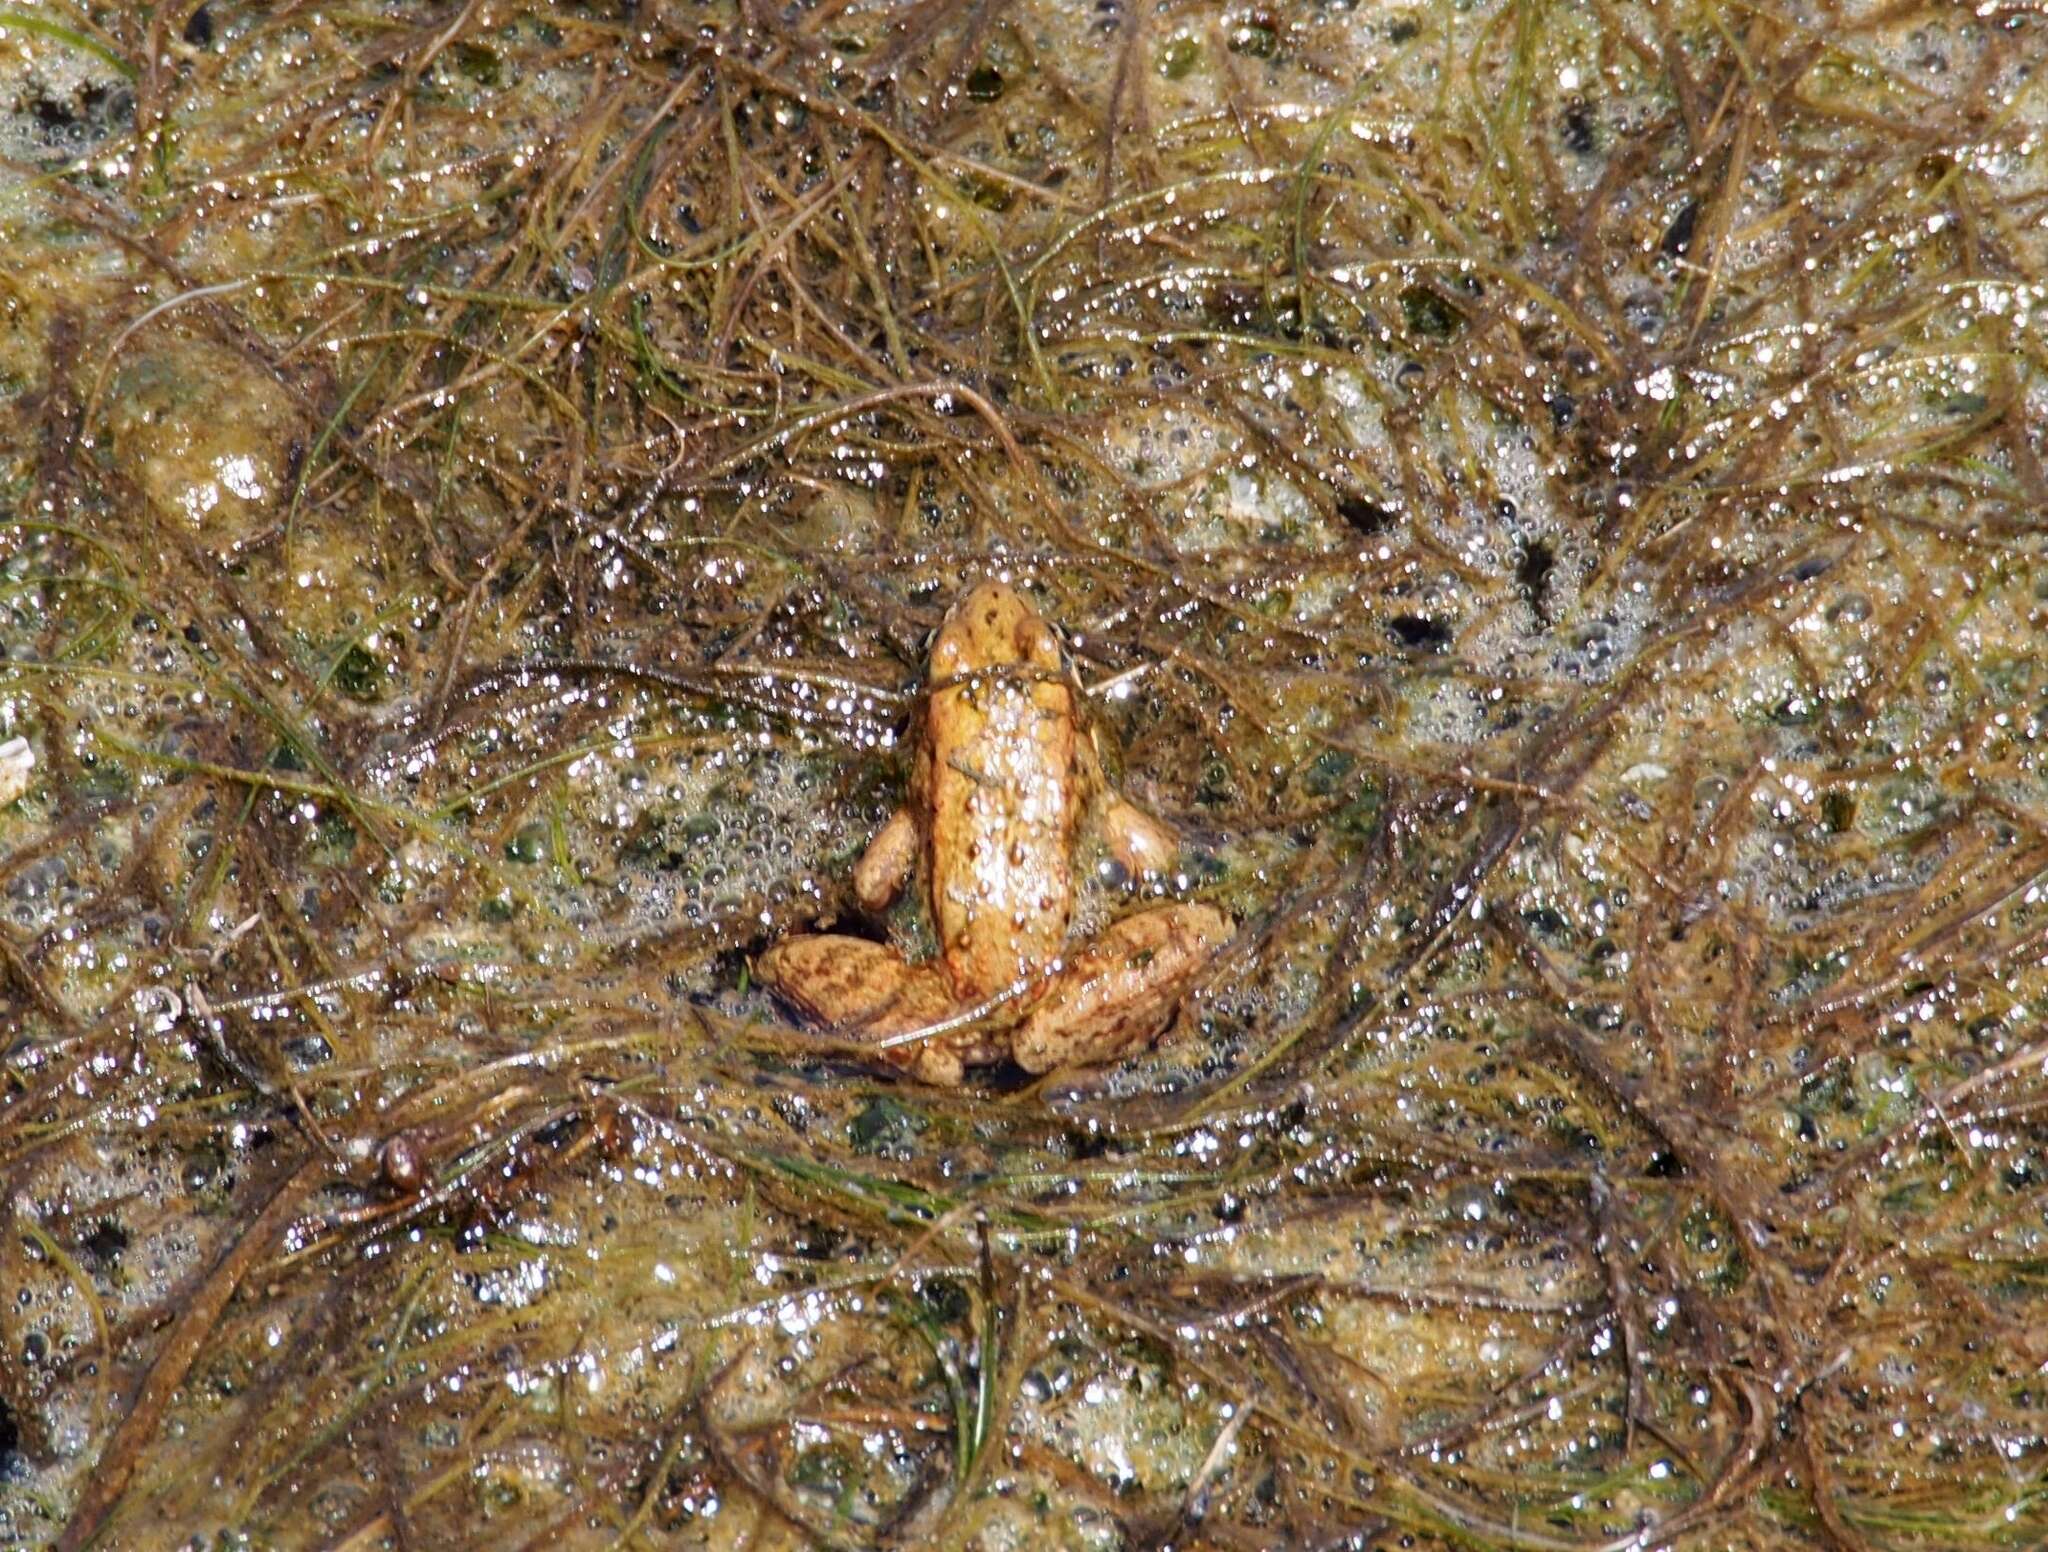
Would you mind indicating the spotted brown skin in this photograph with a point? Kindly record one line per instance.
(1003, 778)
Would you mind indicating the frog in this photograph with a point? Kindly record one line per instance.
(1007, 786)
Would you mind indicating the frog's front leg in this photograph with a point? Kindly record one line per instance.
(868, 995)
(879, 875)
(1142, 843)
(1118, 991)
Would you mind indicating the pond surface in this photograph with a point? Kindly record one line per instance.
(1546, 499)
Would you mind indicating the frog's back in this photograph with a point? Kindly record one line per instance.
(1001, 785)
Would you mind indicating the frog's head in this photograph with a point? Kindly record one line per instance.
(994, 626)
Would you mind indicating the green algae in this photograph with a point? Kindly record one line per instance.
(1547, 498)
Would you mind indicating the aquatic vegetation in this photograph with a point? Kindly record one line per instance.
(1546, 500)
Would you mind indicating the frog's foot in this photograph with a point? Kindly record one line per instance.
(870, 997)
(879, 875)
(1119, 990)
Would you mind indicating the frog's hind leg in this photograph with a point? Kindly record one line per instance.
(869, 996)
(879, 875)
(1119, 990)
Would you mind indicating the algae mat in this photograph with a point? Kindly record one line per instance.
(1546, 498)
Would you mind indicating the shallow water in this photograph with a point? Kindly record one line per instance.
(1548, 501)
